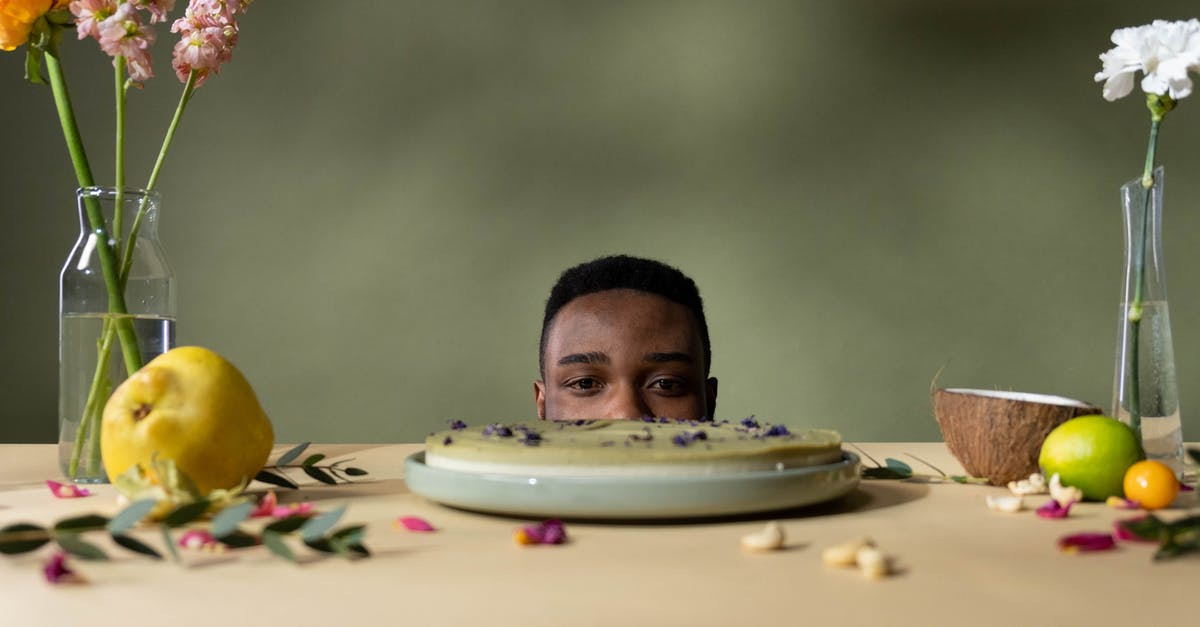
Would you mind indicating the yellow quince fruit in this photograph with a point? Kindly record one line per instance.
(191, 406)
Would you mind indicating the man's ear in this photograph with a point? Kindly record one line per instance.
(539, 399)
(710, 394)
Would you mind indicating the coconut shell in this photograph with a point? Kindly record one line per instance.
(998, 435)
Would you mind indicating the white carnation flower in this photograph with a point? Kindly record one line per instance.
(1164, 51)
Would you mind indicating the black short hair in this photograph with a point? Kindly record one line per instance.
(615, 272)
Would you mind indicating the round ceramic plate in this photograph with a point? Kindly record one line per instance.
(632, 497)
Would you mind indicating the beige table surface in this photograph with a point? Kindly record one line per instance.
(959, 563)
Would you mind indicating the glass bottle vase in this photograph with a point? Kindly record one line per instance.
(102, 340)
(1145, 394)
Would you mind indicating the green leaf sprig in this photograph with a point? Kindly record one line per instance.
(1174, 538)
(894, 469)
(328, 474)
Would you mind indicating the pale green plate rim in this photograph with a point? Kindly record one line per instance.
(633, 497)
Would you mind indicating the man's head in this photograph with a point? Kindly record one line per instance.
(624, 337)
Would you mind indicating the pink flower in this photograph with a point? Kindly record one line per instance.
(66, 490)
(412, 523)
(89, 13)
(158, 9)
(57, 571)
(208, 33)
(1086, 542)
(197, 539)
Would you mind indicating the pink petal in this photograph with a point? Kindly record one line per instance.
(1053, 510)
(283, 511)
(57, 571)
(1086, 542)
(412, 523)
(548, 532)
(266, 505)
(196, 539)
(66, 490)
(1183, 487)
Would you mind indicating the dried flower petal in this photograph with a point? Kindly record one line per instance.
(66, 490)
(1183, 487)
(1086, 542)
(57, 571)
(548, 532)
(1052, 509)
(199, 540)
(268, 506)
(412, 523)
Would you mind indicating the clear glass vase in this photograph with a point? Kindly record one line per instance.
(1145, 394)
(116, 311)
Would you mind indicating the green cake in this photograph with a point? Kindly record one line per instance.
(647, 447)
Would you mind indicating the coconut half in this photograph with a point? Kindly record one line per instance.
(997, 434)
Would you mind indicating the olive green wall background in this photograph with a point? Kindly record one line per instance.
(366, 209)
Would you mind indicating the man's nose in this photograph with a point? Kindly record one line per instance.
(627, 402)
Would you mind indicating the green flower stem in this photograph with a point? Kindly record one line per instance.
(83, 172)
(1159, 106)
(119, 157)
(88, 425)
(119, 323)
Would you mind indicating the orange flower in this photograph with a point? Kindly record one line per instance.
(17, 18)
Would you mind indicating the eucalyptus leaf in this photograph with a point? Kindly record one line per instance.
(129, 517)
(238, 539)
(898, 466)
(22, 538)
(354, 472)
(169, 542)
(1145, 528)
(186, 513)
(274, 542)
(967, 479)
(73, 544)
(287, 525)
(267, 476)
(319, 475)
(227, 520)
(313, 459)
(883, 472)
(350, 535)
(135, 545)
(295, 452)
(316, 527)
(320, 544)
(79, 523)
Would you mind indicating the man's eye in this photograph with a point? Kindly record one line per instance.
(668, 385)
(583, 383)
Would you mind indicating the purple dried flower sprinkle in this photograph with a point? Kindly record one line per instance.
(532, 438)
(776, 430)
(750, 422)
(687, 437)
(448, 441)
(648, 419)
(457, 425)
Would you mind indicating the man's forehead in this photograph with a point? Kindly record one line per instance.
(654, 323)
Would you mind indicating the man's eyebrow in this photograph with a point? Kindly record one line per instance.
(594, 357)
(659, 358)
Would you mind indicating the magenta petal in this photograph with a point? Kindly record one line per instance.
(57, 571)
(1053, 510)
(548, 532)
(1087, 542)
(412, 523)
(66, 490)
(1183, 487)
(196, 539)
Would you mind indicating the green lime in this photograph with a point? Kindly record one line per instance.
(1091, 453)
